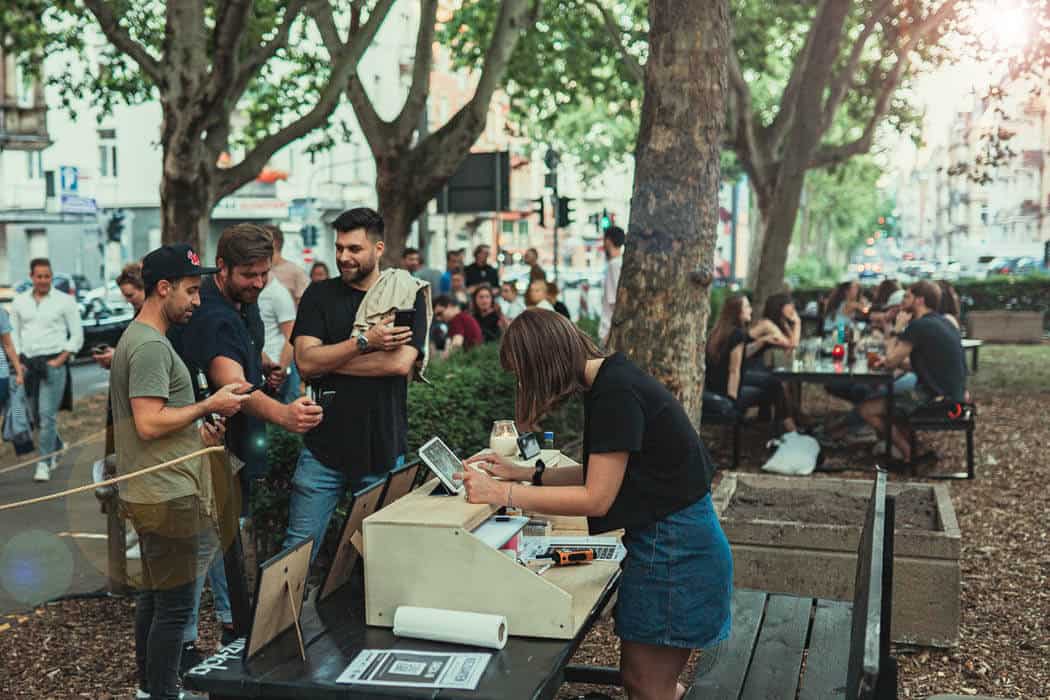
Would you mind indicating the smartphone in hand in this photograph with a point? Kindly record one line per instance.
(405, 317)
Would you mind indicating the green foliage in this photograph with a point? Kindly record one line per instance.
(269, 504)
(810, 272)
(996, 294)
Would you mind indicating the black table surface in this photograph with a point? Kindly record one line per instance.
(334, 632)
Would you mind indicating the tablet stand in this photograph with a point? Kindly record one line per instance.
(442, 490)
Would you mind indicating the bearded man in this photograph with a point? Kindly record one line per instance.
(360, 377)
(224, 341)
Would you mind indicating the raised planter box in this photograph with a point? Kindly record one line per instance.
(1005, 326)
(813, 559)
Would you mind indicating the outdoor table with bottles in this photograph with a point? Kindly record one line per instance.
(847, 356)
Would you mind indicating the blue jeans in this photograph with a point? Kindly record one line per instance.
(209, 556)
(316, 491)
(49, 399)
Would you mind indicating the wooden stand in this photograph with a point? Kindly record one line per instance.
(278, 593)
(420, 551)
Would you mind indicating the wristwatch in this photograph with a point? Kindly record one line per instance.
(362, 342)
(537, 476)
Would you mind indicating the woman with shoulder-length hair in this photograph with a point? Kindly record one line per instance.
(645, 470)
(729, 371)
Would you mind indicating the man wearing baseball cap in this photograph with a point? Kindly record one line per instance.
(156, 419)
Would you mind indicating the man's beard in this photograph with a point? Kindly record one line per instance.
(177, 316)
(362, 271)
(242, 295)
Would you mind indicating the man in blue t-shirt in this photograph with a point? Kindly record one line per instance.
(930, 345)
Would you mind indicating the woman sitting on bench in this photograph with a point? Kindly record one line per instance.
(644, 470)
(734, 361)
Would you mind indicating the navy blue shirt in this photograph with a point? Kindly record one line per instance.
(219, 329)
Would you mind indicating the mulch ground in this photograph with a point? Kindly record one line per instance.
(85, 648)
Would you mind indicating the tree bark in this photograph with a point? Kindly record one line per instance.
(662, 303)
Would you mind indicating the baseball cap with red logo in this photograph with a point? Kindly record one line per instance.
(172, 262)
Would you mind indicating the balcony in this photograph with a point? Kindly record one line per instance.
(23, 112)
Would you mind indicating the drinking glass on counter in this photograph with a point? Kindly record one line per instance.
(503, 440)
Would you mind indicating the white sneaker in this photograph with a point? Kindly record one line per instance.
(43, 472)
(141, 694)
(133, 552)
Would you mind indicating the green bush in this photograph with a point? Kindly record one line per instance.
(995, 294)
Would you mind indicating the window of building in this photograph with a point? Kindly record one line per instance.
(34, 165)
(107, 152)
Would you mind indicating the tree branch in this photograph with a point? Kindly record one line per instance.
(827, 155)
(746, 138)
(615, 32)
(408, 119)
(344, 65)
(456, 136)
(262, 53)
(372, 125)
(844, 79)
(774, 135)
(109, 22)
(230, 22)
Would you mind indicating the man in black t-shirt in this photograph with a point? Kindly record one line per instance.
(361, 379)
(480, 271)
(931, 346)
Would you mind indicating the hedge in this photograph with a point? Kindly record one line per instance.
(995, 294)
(466, 394)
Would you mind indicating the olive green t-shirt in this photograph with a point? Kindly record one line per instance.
(145, 365)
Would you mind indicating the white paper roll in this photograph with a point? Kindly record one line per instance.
(452, 626)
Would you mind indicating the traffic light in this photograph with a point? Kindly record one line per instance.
(607, 219)
(540, 211)
(115, 226)
(565, 212)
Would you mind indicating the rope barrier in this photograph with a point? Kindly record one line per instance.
(114, 480)
(34, 460)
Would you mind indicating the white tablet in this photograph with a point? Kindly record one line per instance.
(443, 462)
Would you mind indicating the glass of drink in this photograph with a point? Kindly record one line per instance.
(503, 440)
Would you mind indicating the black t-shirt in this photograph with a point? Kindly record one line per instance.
(716, 377)
(474, 274)
(626, 410)
(937, 356)
(562, 309)
(219, 329)
(490, 330)
(364, 429)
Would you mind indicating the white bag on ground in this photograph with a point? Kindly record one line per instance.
(796, 456)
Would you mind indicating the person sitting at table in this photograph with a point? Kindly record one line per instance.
(931, 345)
(843, 304)
(950, 306)
(883, 292)
(487, 313)
(727, 349)
(536, 296)
(780, 323)
(644, 469)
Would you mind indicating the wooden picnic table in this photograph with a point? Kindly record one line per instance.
(974, 346)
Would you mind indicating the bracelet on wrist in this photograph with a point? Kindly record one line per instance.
(510, 492)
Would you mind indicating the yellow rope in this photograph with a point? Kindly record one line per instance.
(34, 460)
(115, 480)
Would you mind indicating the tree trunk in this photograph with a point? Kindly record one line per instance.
(186, 195)
(779, 223)
(662, 303)
(400, 203)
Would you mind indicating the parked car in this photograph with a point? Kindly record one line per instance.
(103, 323)
(1031, 266)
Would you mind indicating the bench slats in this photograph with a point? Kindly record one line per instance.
(828, 657)
(734, 656)
(777, 660)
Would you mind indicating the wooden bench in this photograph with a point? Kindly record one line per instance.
(785, 646)
(953, 418)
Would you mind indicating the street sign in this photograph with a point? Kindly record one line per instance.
(72, 204)
(69, 177)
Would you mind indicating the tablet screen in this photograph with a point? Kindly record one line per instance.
(443, 462)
